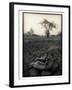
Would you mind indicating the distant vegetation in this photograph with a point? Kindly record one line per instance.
(29, 33)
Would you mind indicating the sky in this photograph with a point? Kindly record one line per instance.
(33, 21)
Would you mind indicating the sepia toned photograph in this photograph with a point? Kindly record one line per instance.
(42, 44)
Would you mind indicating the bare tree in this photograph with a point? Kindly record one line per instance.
(48, 26)
(31, 32)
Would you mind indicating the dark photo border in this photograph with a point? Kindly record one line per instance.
(11, 42)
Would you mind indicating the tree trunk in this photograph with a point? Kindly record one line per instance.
(48, 33)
